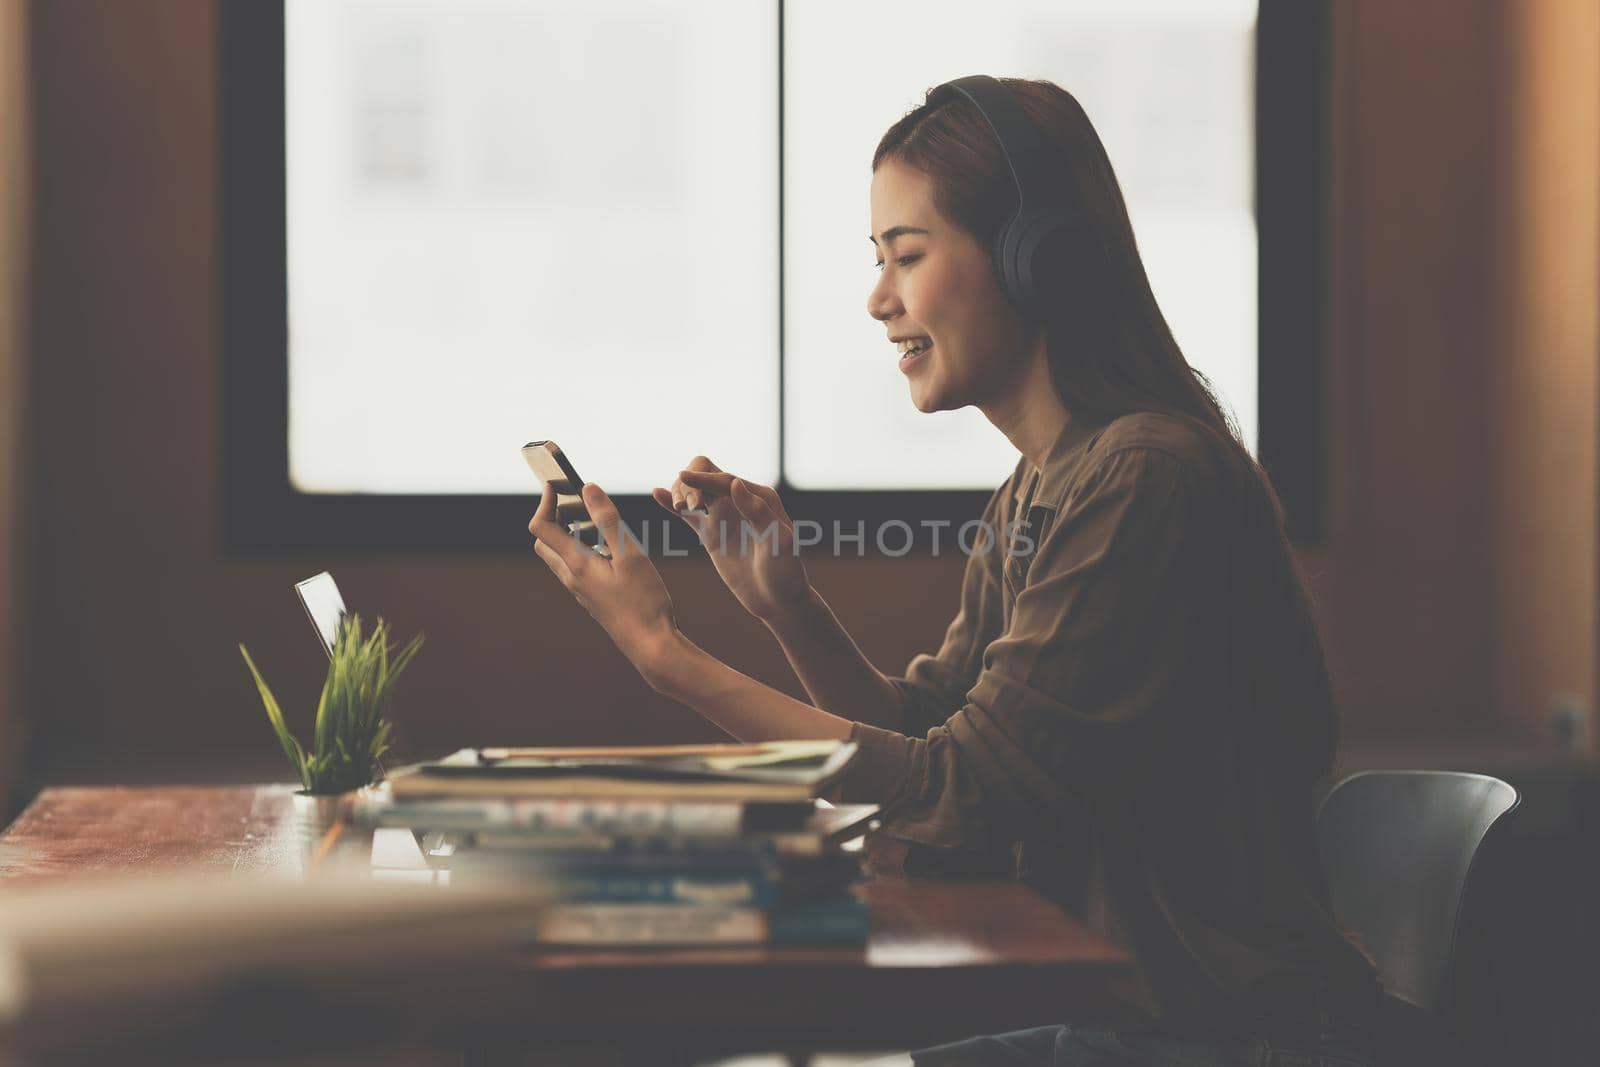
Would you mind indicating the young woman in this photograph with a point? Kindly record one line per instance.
(1129, 711)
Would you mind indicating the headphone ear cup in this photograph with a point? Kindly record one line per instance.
(1033, 238)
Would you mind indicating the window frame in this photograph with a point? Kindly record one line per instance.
(264, 516)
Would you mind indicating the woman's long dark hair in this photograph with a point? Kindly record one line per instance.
(1110, 349)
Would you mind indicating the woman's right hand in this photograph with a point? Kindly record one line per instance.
(746, 532)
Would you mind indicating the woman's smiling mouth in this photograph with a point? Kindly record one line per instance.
(912, 359)
(912, 350)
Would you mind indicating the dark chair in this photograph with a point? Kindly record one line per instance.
(1398, 849)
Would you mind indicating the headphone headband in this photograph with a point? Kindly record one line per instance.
(1019, 139)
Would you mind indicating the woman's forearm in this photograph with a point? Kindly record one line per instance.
(831, 667)
(748, 710)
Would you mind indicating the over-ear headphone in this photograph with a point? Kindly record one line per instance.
(1041, 210)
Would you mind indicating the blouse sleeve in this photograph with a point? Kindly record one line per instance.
(1098, 652)
(934, 686)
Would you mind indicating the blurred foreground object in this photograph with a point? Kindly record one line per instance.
(194, 964)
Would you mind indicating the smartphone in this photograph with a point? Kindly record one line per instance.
(324, 606)
(550, 464)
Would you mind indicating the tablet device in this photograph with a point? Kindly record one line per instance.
(324, 606)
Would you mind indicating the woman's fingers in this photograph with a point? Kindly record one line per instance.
(701, 481)
(752, 500)
(679, 495)
(695, 520)
(549, 533)
(605, 515)
(706, 479)
(700, 465)
(701, 485)
(745, 494)
(544, 524)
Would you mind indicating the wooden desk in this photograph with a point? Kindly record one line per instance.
(945, 959)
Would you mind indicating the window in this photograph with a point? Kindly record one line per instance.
(517, 220)
(1168, 88)
(637, 227)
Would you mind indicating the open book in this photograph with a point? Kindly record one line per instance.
(761, 771)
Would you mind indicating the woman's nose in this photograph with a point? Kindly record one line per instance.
(881, 302)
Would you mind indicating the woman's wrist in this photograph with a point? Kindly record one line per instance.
(662, 658)
(796, 613)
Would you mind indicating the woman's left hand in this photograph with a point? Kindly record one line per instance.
(625, 593)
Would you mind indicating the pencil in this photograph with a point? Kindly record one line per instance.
(326, 844)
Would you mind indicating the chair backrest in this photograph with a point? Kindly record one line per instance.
(1397, 848)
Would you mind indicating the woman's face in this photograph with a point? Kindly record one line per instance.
(936, 284)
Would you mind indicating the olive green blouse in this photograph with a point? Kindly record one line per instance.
(1129, 712)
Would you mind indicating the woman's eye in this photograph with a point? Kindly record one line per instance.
(904, 261)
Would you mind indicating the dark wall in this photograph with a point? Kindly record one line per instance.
(1417, 120)
(15, 174)
(134, 670)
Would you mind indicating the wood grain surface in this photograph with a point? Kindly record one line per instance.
(944, 959)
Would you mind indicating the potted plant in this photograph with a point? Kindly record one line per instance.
(351, 735)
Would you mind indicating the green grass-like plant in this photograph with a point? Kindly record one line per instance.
(351, 735)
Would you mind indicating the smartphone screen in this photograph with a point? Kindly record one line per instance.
(324, 606)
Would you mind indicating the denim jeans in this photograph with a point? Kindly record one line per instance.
(1089, 1046)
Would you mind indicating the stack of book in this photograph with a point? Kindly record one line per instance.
(664, 845)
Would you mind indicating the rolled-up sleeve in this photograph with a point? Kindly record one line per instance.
(1098, 651)
(934, 686)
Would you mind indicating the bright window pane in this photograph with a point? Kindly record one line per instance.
(522, 219)
(1168, 87)
(518, 220)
